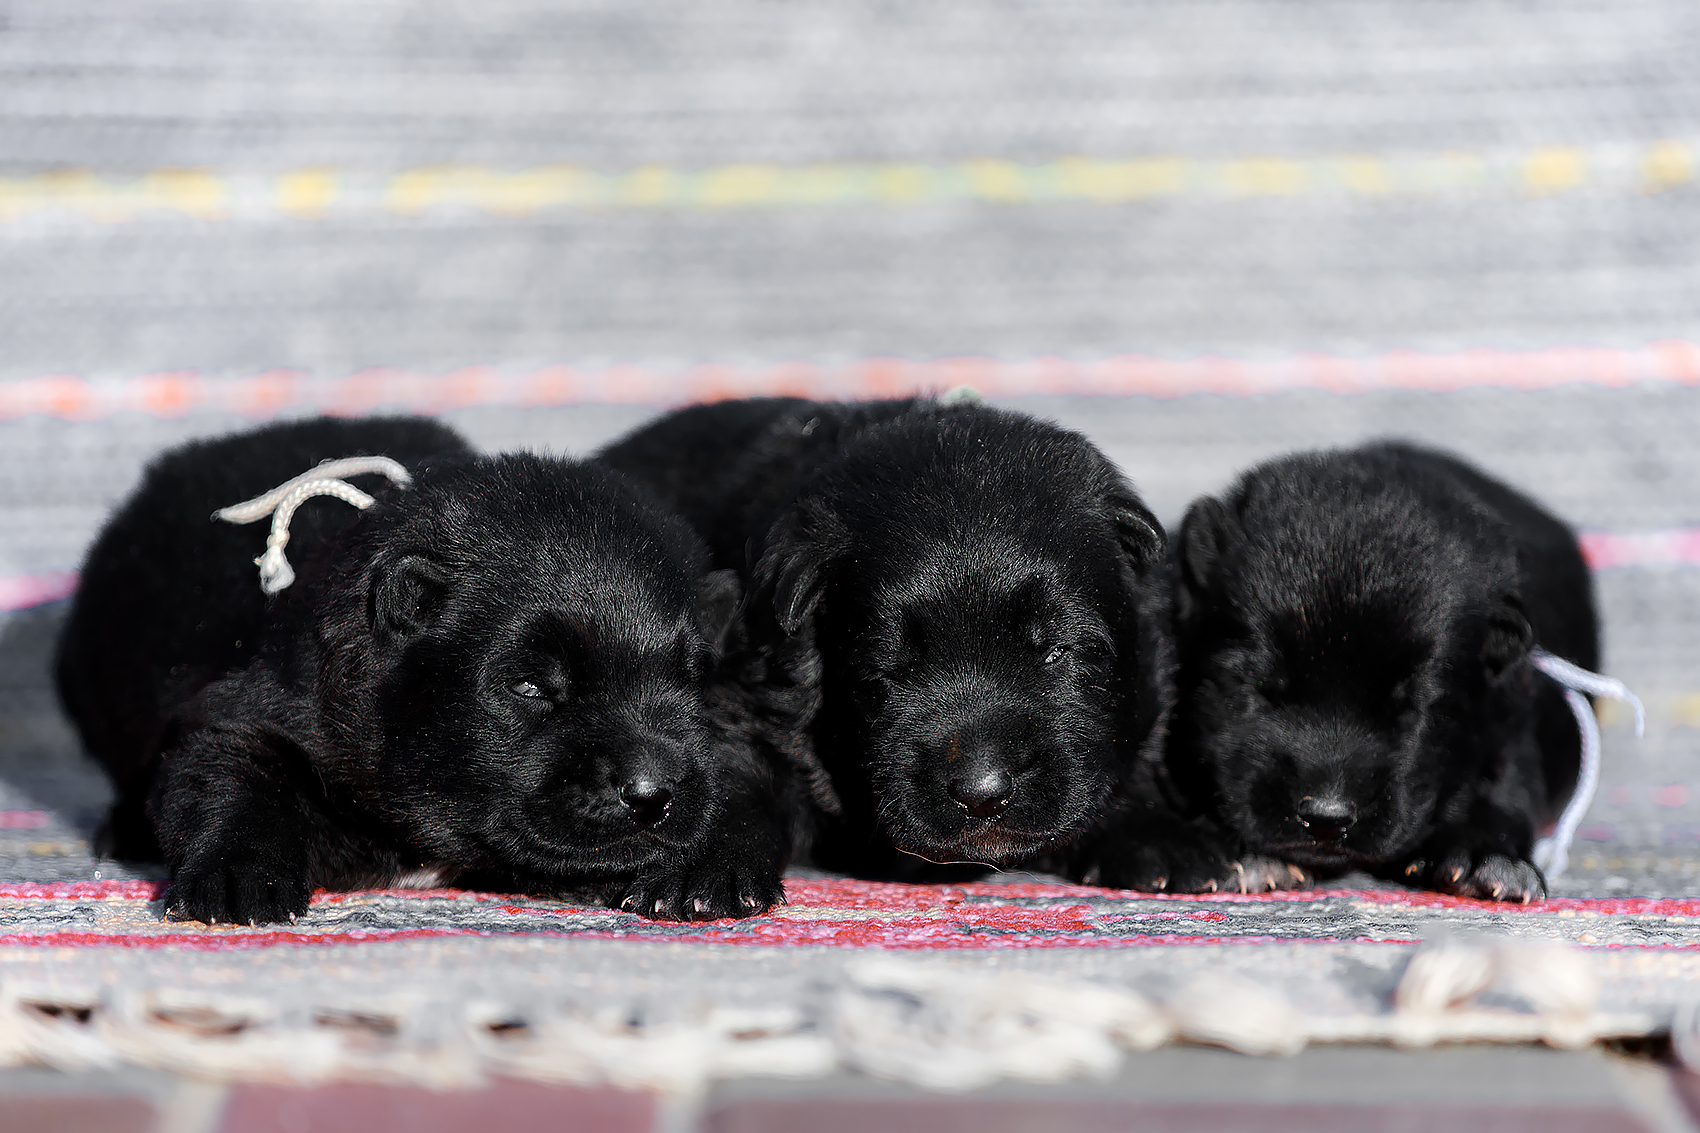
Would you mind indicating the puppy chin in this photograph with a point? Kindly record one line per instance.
(1325, 857)
(617, 855)
(1317, 856)
(980, 843)
(556, 847)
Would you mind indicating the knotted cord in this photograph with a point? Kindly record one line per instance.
(1552, 853)
(326, 479)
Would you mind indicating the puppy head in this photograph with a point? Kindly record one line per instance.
(971, 579)
(539, 633)
(1341, 622)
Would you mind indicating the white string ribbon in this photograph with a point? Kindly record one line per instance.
(326, 479)
(1552, 853)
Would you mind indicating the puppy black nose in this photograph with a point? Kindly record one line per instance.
(647, 800)
(1326, 819)
(983, 793)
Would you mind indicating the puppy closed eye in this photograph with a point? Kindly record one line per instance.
(535, 693)
(1086, 653)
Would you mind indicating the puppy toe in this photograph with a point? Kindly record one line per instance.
(1135, 868)
(646, 898)
(197, 897)
(251, 885)
(1196, 869)
(711, 885)
(757, 895)
(740, 893)
(1451, 874)
(1500, 878)
(257, 899)
(659, 897)
(1174, 869)
(236, 897)
(1495, 877)
(1257, 874)
(711, 899)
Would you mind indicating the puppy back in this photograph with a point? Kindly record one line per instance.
(169, 598)
(1556, 586)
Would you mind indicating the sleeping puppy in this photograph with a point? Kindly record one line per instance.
(1354, 631)
(956, 647)
(492, 677)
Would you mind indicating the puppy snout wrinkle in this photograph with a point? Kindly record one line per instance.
(1327, 819)
(983, 792)
(648, 800)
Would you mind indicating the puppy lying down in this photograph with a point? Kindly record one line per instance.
(492, 676)
(1355, 684)
(956, 646)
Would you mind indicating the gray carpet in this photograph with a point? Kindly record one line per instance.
(378, 88)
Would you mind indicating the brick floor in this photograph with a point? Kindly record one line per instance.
(1324, 1090)
(379, 1109)
(943, 1115)
(1349, 1089)
(58, 1113)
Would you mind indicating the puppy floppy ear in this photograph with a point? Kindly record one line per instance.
(1509, 636)
(407, 596)
(718, 596)
(1204, 538)
(800, 546)
(1137, 530)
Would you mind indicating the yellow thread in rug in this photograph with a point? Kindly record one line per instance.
(306, 192)
(312, 193)
(1555, 169)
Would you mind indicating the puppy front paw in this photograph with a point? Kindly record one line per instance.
(1180, 859)
(708, 886)
(1487, 877)
(249, 892)
(1255, 873)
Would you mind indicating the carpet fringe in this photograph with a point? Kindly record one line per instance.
(916, 1021)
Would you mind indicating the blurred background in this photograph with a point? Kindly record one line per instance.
(1201, 232)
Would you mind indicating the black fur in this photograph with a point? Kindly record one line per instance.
(494, 677)
(1354, 630)
(956, 648)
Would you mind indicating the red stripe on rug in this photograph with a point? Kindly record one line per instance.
(22, 591)
(891, 896)
(83, 890)
(871, 938)
(174, 393)
(235, 941)
(1606, 550)
(254, 940)
(840, 913)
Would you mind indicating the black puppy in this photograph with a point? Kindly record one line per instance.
(956, 647)
(493, 676)
(1354, 631)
